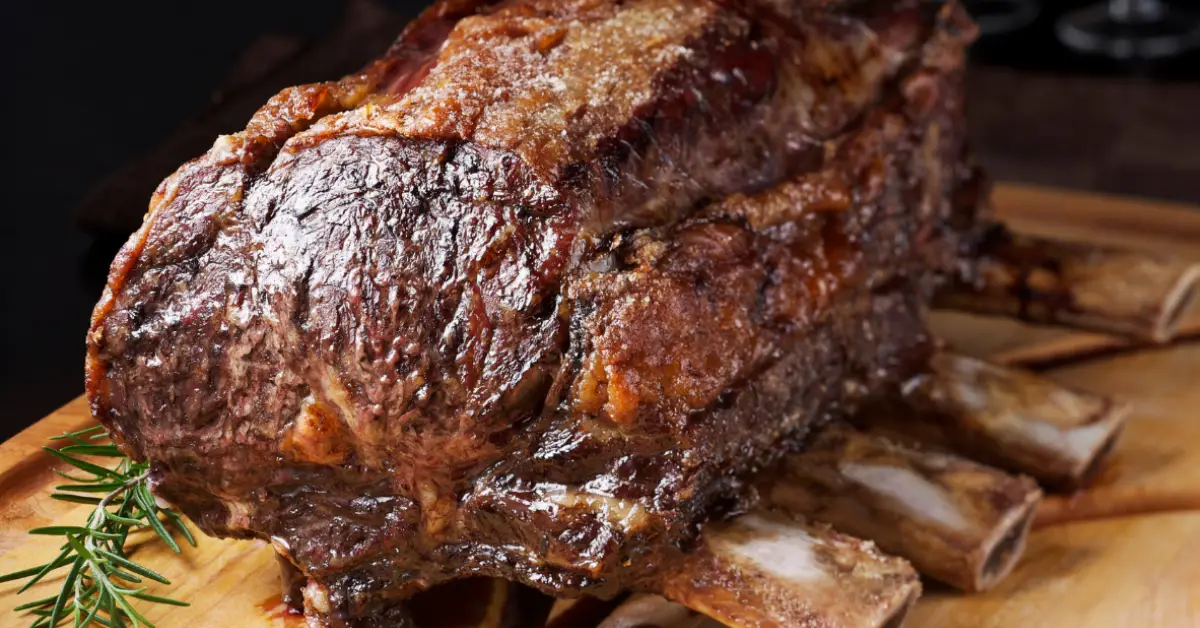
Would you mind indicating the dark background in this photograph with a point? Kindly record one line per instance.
(93, 87)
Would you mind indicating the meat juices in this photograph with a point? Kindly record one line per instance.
(534, 294)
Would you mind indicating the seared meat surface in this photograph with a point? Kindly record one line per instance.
(534, 294)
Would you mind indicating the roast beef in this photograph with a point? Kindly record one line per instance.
(534, 294)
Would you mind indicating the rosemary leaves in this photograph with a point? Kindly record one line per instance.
(103, 583)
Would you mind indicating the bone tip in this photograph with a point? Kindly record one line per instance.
(1179, 302)
(1088, 467)
(1097, 462)
(1002, 555)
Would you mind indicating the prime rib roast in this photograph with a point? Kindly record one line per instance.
(539, 292)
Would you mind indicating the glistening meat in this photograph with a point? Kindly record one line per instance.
(538, 291)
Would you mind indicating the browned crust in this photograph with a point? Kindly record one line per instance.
(219, 183)
(289, 112)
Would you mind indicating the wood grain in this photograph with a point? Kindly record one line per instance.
(1119, 554)
(1103, 219)
(25, 476)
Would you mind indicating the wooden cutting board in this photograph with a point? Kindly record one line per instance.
(1124, 553)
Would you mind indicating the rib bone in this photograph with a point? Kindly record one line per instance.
(765, 569)
(1097, 288)
(958, 521)
(1006, 417)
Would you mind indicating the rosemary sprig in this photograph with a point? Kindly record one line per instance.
(102, 581)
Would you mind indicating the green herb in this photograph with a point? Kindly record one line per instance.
(102, 581)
